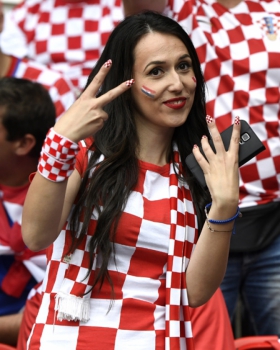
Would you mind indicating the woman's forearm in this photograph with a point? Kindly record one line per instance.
(208, 262)
(46, 208)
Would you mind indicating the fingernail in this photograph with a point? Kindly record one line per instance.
(209, 119)
(130, 82)
(107, 64)
(195, 146)
(237, 120)
(204, 137)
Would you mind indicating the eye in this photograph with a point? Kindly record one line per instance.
(155, 72)
(184, 66)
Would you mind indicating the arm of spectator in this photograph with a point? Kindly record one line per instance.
(9, 328)
(51, 201)
(61, 89)
(134, 6)
(63, 96)
(48, 203)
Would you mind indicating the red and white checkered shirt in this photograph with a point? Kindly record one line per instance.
(26, 263)
(150, 309)
(67, 36)
(239, 50)
(61, 91)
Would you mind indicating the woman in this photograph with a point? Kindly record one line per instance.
(121, 227)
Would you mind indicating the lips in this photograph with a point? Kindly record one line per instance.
(176, 103)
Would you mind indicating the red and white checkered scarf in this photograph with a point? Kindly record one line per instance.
(183, 235)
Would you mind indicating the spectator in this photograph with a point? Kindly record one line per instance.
(120, 264)
(67, 36)
(60, 90)
(238, 46)
(26, 114)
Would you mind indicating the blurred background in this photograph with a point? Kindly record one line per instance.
(8, 4)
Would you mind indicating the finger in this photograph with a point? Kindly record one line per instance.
(215, 136)
(202, 161)
(112, 94)
(97, 81)
(235, 137)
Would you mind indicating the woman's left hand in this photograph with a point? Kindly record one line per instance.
(221, 168)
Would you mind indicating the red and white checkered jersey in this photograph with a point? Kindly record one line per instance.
(210, 322)
(139, 272)
(61, 91)
(239, 50)
(67, 36)
(26, 263)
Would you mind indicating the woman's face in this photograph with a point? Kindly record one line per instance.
(165, 84)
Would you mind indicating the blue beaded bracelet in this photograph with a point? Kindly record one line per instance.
(220, 222)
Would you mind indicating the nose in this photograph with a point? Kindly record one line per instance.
(175, 83)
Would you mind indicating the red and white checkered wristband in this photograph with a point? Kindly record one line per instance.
(58, 157)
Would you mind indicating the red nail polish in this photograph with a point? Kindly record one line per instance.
(237, 120)
(107, 64)
(130, 82)
(209, 119)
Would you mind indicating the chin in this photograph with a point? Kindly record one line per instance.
(179, 123)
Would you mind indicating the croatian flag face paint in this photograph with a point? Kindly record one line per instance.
(194, 79)
(148, 92)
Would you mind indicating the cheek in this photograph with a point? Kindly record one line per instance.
(192, 84)
(148, 92)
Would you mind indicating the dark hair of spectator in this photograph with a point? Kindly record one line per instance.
(26, 108)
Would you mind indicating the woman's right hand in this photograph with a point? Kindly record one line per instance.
(86, 116)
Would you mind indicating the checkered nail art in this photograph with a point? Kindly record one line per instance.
(107, 64)
(237, 120)
(209, 119)
(130, 82)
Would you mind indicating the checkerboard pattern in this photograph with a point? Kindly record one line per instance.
(61, 91)
(150, 308)
(66, 36)
(20, 274)
(58, 157)
(239, 51)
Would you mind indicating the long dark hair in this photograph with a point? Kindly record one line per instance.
(114, 178)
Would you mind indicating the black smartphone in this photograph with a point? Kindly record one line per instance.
(249, 146)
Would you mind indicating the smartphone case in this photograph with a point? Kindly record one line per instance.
(249, 146)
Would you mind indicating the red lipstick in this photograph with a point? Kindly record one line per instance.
(176, 103)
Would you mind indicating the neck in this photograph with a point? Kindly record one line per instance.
(229, 3)
(154, 148)
(5, 62)
(12, 177)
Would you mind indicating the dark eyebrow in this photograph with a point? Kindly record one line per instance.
(162, 62)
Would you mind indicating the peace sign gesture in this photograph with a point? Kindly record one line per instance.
(86, 116)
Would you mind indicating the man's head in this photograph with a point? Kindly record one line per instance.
(26, 114)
